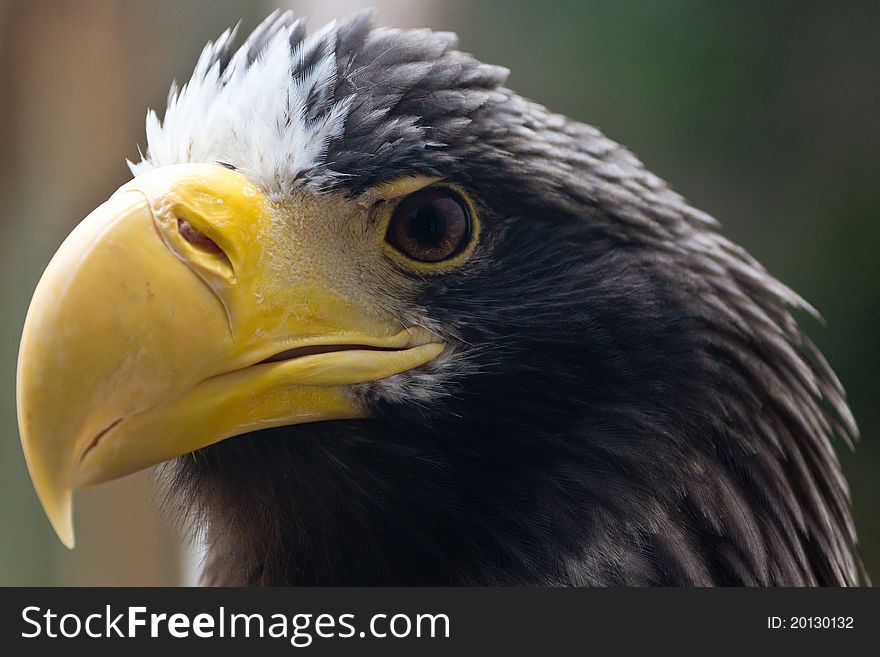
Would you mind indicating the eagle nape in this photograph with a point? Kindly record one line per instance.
(384, 321)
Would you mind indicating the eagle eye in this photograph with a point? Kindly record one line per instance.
(430, 225)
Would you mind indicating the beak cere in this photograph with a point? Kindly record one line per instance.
(168, 321)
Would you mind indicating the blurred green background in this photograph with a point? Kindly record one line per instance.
(763, 114)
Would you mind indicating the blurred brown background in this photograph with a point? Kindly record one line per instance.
(767, 117)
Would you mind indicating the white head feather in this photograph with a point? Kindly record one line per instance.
(270, 118)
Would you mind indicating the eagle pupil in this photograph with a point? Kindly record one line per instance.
(427, 225)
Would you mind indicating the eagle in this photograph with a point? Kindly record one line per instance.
(387, 322)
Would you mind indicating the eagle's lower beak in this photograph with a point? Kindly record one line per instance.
(183, 311)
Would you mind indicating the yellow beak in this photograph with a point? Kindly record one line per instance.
(183, 311)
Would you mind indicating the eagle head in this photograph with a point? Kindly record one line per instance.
(388, 322)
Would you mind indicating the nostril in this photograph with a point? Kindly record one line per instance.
(197, 238)
(200, 251)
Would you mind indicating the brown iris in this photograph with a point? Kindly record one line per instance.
(430, 225)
